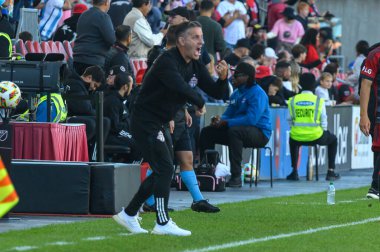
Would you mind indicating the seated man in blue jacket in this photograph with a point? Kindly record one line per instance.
(245, 123)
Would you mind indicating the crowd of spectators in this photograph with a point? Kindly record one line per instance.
(108, 33)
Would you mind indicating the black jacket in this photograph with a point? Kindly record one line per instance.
(78, 107)
(68, 30)
(118, 55)
(169, 84)
(116, 110)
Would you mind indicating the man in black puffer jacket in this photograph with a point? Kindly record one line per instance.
(81, 110)
(116, 110)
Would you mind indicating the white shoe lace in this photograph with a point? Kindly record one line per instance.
(138, 220)
(173, 223)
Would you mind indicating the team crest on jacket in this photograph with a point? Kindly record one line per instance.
(160, 136)
(193, 81)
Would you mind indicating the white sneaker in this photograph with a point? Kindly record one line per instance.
(170, 228)
(132, 223)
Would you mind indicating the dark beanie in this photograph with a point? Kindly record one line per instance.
(307, 82)
(246, 68)
(249, 70)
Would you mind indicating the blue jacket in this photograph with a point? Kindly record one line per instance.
(249, 107)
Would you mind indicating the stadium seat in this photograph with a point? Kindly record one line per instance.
(316, 162)
(62, 50)
(20, 47)
(53, 46)
(29, 46)
(138, 64)
(37, 47)
(45, 47)
(68, 48)
(140, 76)
(258, 150)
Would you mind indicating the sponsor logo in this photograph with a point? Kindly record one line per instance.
(341, 133)
(193, 81)
(160, 136)
(367, 70)
(3, 135)
(305, 103)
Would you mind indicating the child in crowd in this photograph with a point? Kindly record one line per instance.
(322, 91)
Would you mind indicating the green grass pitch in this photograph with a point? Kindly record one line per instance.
(297, 223)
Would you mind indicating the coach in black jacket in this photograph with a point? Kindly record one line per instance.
(166, 88)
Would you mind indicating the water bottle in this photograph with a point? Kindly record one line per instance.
(242, 177)
(331, 194)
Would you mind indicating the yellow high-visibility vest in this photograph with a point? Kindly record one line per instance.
(305, 110)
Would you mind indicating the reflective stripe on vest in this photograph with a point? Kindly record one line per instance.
(305, 111)
(10, 47)
(59, 104)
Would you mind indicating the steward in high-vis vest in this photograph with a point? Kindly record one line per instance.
(58, 110)
(309, 126)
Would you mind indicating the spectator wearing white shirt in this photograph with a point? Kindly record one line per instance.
(322, 91)
(52, 13)
(143, 38)
(234, 26)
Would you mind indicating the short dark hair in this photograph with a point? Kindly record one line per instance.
(282, 65)
(206, 5)
(25, 36)
(362, 47)
(181, 29)
(122, 32)
(297, 50)
(331, 68)
(307, 81)
(121, 79)
(170, 36)
(95, 72)
(277, 82)
(139, 3)
(257, 51)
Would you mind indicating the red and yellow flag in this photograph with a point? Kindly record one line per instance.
(8, 195)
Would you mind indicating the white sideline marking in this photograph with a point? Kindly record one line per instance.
(95, 238)
(24, 248)
(60, 243)
(275, 237)
(318, 203)
(126, 234)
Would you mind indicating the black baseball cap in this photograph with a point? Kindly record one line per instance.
(117, 69)
(244, 42)
(181, 11)
(289, 13)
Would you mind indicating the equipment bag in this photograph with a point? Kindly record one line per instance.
(205, 172)
(208, 163)
(207, 183)
(210, 183)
